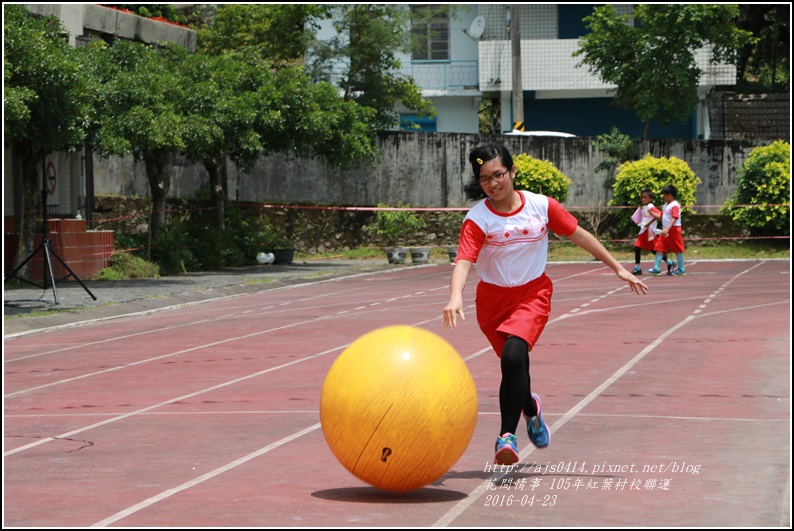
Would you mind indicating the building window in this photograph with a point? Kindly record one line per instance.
(430, 30)
(570, 20)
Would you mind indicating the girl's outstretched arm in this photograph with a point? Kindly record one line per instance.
(455, 306)
(590, 243)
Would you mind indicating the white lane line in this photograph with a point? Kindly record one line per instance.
(189, 304)
(201, 479)
(483, 487)
(452, 514)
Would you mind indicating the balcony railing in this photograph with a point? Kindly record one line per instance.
(453, 76)
(447, 76)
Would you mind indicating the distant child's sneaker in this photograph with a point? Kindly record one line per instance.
(637, 271)
(678, 273)
(506, 451)
(655, 272)
(536, 429)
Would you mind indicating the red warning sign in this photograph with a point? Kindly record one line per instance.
(51, 178)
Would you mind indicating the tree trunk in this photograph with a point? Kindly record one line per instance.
(159, 184)
(218, 192)
(31, 198)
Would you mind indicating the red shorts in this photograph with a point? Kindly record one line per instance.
(643, 242)
(521, 311)
(673, 242)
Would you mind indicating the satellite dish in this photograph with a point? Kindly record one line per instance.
(477, 27)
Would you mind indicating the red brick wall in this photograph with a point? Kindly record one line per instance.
(85, 252)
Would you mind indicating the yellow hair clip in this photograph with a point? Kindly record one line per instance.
(479, 161)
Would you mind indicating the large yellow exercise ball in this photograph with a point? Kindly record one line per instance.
(398, 408)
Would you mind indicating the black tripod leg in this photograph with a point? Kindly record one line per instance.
(71, 273)
(49, 272)
(13, 274)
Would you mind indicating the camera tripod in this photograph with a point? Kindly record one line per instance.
(45, 247)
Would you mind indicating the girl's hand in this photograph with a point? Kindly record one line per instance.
(451, 310)
(635, 284)
(455, 306)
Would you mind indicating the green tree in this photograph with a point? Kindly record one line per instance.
(238, 109)
(274, 34)
(141, 113)
(652, 62)
(762, 199)
(765, 62)
(45, 103)
(363, 60)
(223, 98)
(312, 119)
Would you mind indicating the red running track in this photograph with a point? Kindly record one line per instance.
(669, 409)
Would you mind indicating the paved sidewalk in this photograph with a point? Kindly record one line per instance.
(31, 309)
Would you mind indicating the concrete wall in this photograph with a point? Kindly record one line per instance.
(82, 19)
(423, 169)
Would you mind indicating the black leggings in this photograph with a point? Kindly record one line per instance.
(514, 392)
(638, 255)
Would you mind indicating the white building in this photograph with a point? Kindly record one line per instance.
(470, 59)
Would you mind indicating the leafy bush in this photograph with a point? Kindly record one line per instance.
(216, 249)
(162, 12)
(653, 173)
(270, 239)
(172, 250)
(252, 234)
(124, 266)
(395, 225)
(540, 177)
(451, 222)
(764, 180)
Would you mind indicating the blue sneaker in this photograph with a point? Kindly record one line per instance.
(506, 451)
(536, 429)
(655, 272)
(678, 273)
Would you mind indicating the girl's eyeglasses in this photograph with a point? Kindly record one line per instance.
(496, 177)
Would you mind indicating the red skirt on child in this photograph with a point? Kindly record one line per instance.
(521, 311)
(673, 242)
(644, 241)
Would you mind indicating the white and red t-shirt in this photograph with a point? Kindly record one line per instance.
(512, 249)
(669, 211)
(645, 219)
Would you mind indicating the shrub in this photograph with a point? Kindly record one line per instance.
(124, 266)
(172, 250)
(395, 225)
(764, 180)
(451, 222)
(251, 234)
(216, 249)
(653, 173)
(540, 177)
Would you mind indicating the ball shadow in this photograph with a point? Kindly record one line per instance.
(375, 495)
